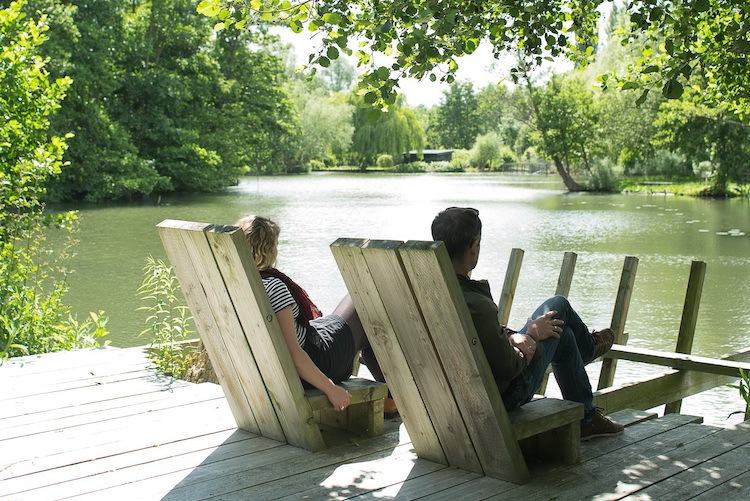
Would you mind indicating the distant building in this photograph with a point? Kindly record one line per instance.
(428, 156)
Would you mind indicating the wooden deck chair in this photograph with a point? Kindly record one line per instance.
(243, 339)
(419, 326)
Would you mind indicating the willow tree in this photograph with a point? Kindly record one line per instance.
(397, 131)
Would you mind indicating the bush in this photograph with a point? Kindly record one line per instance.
(169, 321)
(316, 165)
(385, 161)
(603, 176)
(461, 160)
(298, 169)
(486, 150)
(33, 279)
(412, 167)
(663, 163)
(444, 167)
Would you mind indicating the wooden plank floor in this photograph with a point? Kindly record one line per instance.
(97, 424)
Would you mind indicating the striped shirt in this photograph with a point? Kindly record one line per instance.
(280, 298)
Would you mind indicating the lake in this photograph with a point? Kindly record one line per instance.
(534, 213)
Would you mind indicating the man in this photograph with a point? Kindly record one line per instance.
(554, 334)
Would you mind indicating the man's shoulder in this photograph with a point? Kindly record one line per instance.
(477, 295)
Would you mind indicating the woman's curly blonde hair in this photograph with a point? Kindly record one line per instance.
(262, 236)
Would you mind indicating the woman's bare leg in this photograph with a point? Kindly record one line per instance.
(348, 313)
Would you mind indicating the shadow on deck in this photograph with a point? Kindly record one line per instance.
(97, 424)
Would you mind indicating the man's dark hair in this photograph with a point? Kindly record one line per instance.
(457, 227)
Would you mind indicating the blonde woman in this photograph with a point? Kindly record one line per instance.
(322, 347)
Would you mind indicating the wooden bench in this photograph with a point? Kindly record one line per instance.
(243, 339)
(419, 326)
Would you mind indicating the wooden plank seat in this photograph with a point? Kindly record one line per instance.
(242, 336)
(419, 326)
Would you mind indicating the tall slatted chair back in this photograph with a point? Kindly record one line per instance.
(413, 310)
(242, 336)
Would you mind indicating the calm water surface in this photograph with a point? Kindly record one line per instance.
(530, 212)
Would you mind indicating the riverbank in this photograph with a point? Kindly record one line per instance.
(652, 185)
(684, 187)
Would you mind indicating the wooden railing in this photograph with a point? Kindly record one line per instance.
(687, 374)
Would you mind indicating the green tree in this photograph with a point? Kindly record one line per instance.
(158, 101)
(704, 134)
(488, 151)
(396, 132)
(33, 317)
(456, 117)
(495, 112)
(565, 118)
(325, 123)
(688, 37)
(248, 118)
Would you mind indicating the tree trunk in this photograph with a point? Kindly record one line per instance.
(569, 182)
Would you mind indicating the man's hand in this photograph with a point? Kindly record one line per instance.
(525, 344)
(544, 327)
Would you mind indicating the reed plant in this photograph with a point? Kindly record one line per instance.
(169, 321)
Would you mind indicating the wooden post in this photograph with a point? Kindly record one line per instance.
(563, 289)
(619, 315)
(509, 286)
(566, 274)
(689, 319)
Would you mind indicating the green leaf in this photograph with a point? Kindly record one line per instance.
(332, 53)
(630, 86)
(702, 5)
(208, 9)
(650, 69)
(370, 97)
(374, 115)
(672, 89)
(669, 46)
(324, 62)
(383, 73)
(332, 18)
(642, 98)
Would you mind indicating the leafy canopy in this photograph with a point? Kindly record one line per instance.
(425, 38)
(421, 38)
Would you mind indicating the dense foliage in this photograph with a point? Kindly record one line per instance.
(158, 102)
(427, 37)
(33, 317)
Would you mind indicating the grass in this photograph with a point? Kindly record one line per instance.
(674, 186)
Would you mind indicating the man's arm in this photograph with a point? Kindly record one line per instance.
(505, 362)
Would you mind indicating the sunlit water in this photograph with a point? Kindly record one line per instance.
(531, 212)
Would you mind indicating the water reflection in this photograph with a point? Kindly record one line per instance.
(530, 212)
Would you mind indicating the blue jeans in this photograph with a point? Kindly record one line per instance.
(568, 355)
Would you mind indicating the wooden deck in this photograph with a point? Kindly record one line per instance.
(97, 424)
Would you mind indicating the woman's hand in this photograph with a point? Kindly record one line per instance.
(306, 369)
(545, 326)
(338, 397)
(525, 344)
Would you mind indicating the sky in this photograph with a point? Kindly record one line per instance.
(480, 68)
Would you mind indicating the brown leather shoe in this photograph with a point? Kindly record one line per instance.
(603, 340)
(390, 411)
(600, 426)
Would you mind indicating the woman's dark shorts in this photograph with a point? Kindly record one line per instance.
(334, 358)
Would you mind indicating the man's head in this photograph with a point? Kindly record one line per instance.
(459, 228)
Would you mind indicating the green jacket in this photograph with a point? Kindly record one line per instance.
(505, 363)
